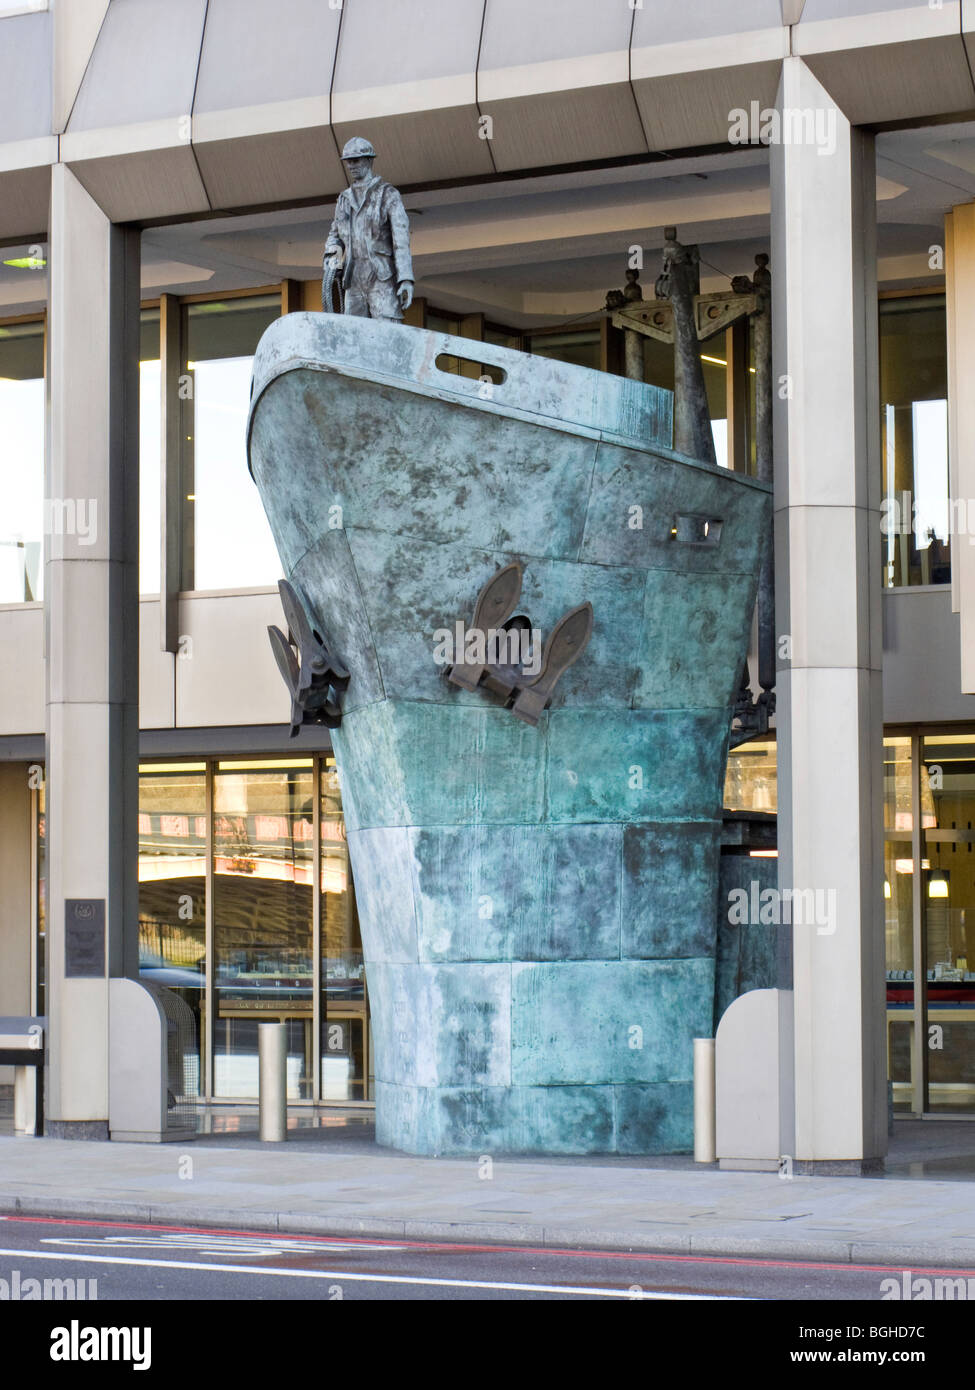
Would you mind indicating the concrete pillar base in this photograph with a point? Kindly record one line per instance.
(76, 1129)
(748, 1165)
(836, 1167)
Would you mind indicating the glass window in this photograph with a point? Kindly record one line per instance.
(346, 1070)
(658, 370)
(947, 768)
(227, 543)
(40, 889)
(750, 780)
(503, 337)
(931, 895)
(716, 385)
(262, 920)
(914, 423)
(150, 436)
(21, 462)
(580, 346)
(898, 864)
(260, 839)
(172, 891)
(658, 363)
(441, 323)
(899, 914)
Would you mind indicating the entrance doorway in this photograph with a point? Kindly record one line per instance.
(929, 897)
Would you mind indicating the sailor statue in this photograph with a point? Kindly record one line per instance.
(368, 244)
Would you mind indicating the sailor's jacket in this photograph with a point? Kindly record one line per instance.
(376, 230)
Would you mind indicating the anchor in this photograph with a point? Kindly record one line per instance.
(309, 670)
(527, 695)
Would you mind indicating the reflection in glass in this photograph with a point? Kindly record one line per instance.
(262, 920)
(580, 346)
(750, 780)
(946, 897)
(262, 838)
(345, 1043)
(914, 421)
(716, 385)
(898, 864)
(948, 878)
(22, 462)
(658, 370)
(172, 890)
(899, 914)
(504, 337)
(227, 542)
(150, 434)
(40, 959)
(658, 364)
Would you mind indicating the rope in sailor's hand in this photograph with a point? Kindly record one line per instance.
(331, 286)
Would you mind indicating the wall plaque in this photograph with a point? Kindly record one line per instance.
(84, 938)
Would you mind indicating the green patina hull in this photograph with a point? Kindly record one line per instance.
(538, 905)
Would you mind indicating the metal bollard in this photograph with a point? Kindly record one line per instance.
(272, 1063)
(704, 1120)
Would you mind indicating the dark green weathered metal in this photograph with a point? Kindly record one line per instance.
(526, 693)
(310, 672)
(538, 902)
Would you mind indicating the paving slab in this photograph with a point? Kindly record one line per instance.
(319, 1187)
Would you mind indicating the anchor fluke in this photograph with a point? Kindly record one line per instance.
(314, 677)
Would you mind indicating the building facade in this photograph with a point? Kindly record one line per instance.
(167, 175)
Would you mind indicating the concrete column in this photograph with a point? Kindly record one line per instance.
(827, 541)
(92, 627)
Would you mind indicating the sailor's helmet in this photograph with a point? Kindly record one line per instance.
(358, 148)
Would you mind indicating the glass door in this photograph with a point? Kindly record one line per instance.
(899, 916)
(345, 1049)
(947, 788)
(173, 893)
(263, 876)
(929, 899)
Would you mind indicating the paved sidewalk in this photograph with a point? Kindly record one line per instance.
(331, 1181)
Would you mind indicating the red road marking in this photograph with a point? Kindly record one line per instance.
(368, 1241)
